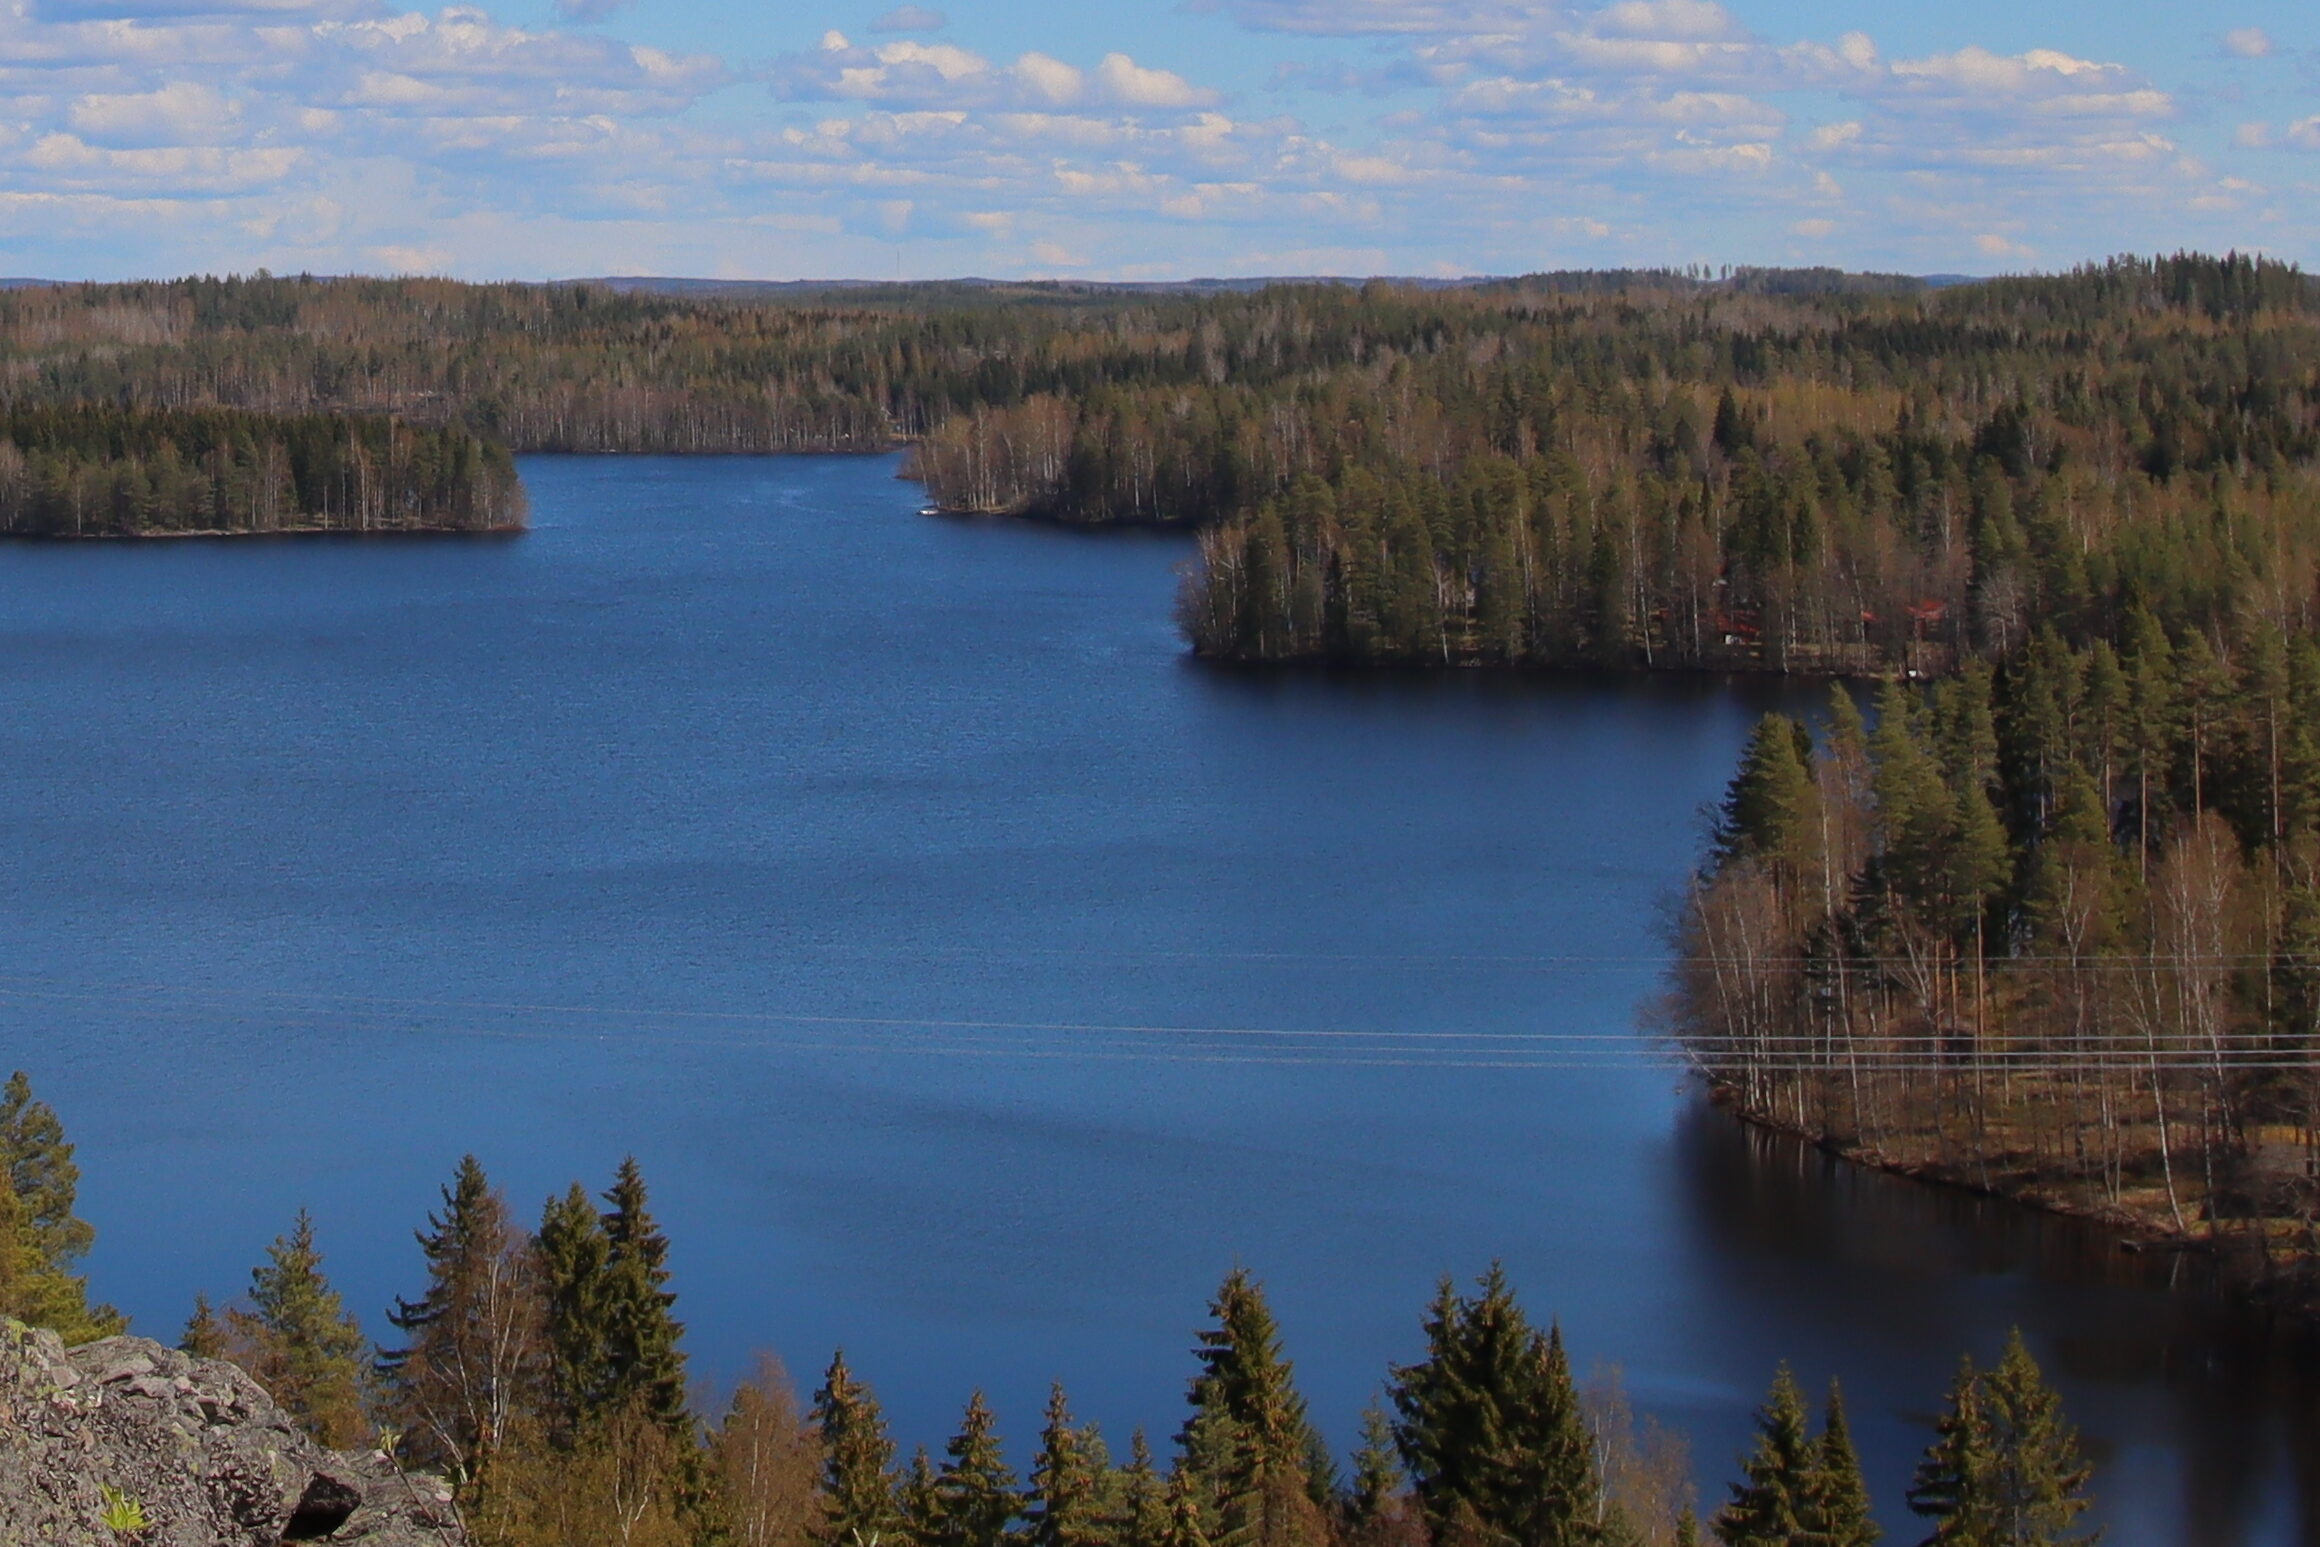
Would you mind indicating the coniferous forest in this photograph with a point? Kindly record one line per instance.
(542, 1372)
(96, 470)
(2042, 919)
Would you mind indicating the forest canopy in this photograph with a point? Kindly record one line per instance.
(97, 470)
(1779, 469)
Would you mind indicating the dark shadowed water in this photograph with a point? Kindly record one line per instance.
(976, 978)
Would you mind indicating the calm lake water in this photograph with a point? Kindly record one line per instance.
(976, 978)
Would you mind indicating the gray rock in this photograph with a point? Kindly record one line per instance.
(197, 1445)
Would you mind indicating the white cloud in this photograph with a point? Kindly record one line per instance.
(1128, 82)
(1696, 19)
(331, 133)
(2247, 42)
(943, 75)
(1051, 80)
(180, 113)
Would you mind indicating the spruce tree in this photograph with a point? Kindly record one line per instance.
(204, 1336)
(1142, 1518)
(2004, 1469)
(1490, 1427)
(1187, 1525)
(1768, 808)
(39, 1167)
(1771, 1506)
(1248, 1441)
(1377, 1476)
(975, 1497)
(2038, 1482)
(642, 1358)
(1838, 1512)
(574, 1255)
(857, 1462)
(299, 1341)
(1954, 1480)
(919, 1504)
(472, 1364)
(1068, 1478)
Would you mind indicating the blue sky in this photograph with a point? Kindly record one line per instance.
(1163, 139)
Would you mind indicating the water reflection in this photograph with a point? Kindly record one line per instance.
(2197, 1404)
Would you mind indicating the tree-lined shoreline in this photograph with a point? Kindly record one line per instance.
(543, 1374)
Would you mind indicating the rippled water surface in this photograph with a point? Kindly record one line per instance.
(976, 978)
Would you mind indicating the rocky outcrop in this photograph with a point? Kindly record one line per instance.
(125, 1443)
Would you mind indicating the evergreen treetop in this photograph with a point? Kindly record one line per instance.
(301, 1342)
(1490, 1427)
(858, 1485)
(975, 1497)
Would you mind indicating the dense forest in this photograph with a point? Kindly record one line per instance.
(97, 470)
(1792, 469)
(2051, 929)
(543, 1373)
(1845, 481)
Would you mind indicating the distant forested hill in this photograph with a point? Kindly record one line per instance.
(1790, 469)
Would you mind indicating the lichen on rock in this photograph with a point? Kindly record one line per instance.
(192, 1447)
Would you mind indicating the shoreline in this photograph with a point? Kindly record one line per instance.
(2288, 1282)
(170, 534)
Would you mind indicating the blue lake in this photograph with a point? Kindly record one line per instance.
(975, 977)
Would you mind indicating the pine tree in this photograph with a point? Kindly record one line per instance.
(35, 1292)
(857, 1462)
(39, 1167)
(473, 1364)
(1490, 1428)
(1771, 1506)
(40, 1238)
(975, 1498)
(1068, 1481)
(1838, 1513)
(299, 1341)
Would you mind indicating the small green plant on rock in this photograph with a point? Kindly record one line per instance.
(122, 1515)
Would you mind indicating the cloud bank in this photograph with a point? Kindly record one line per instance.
(1394, 135)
